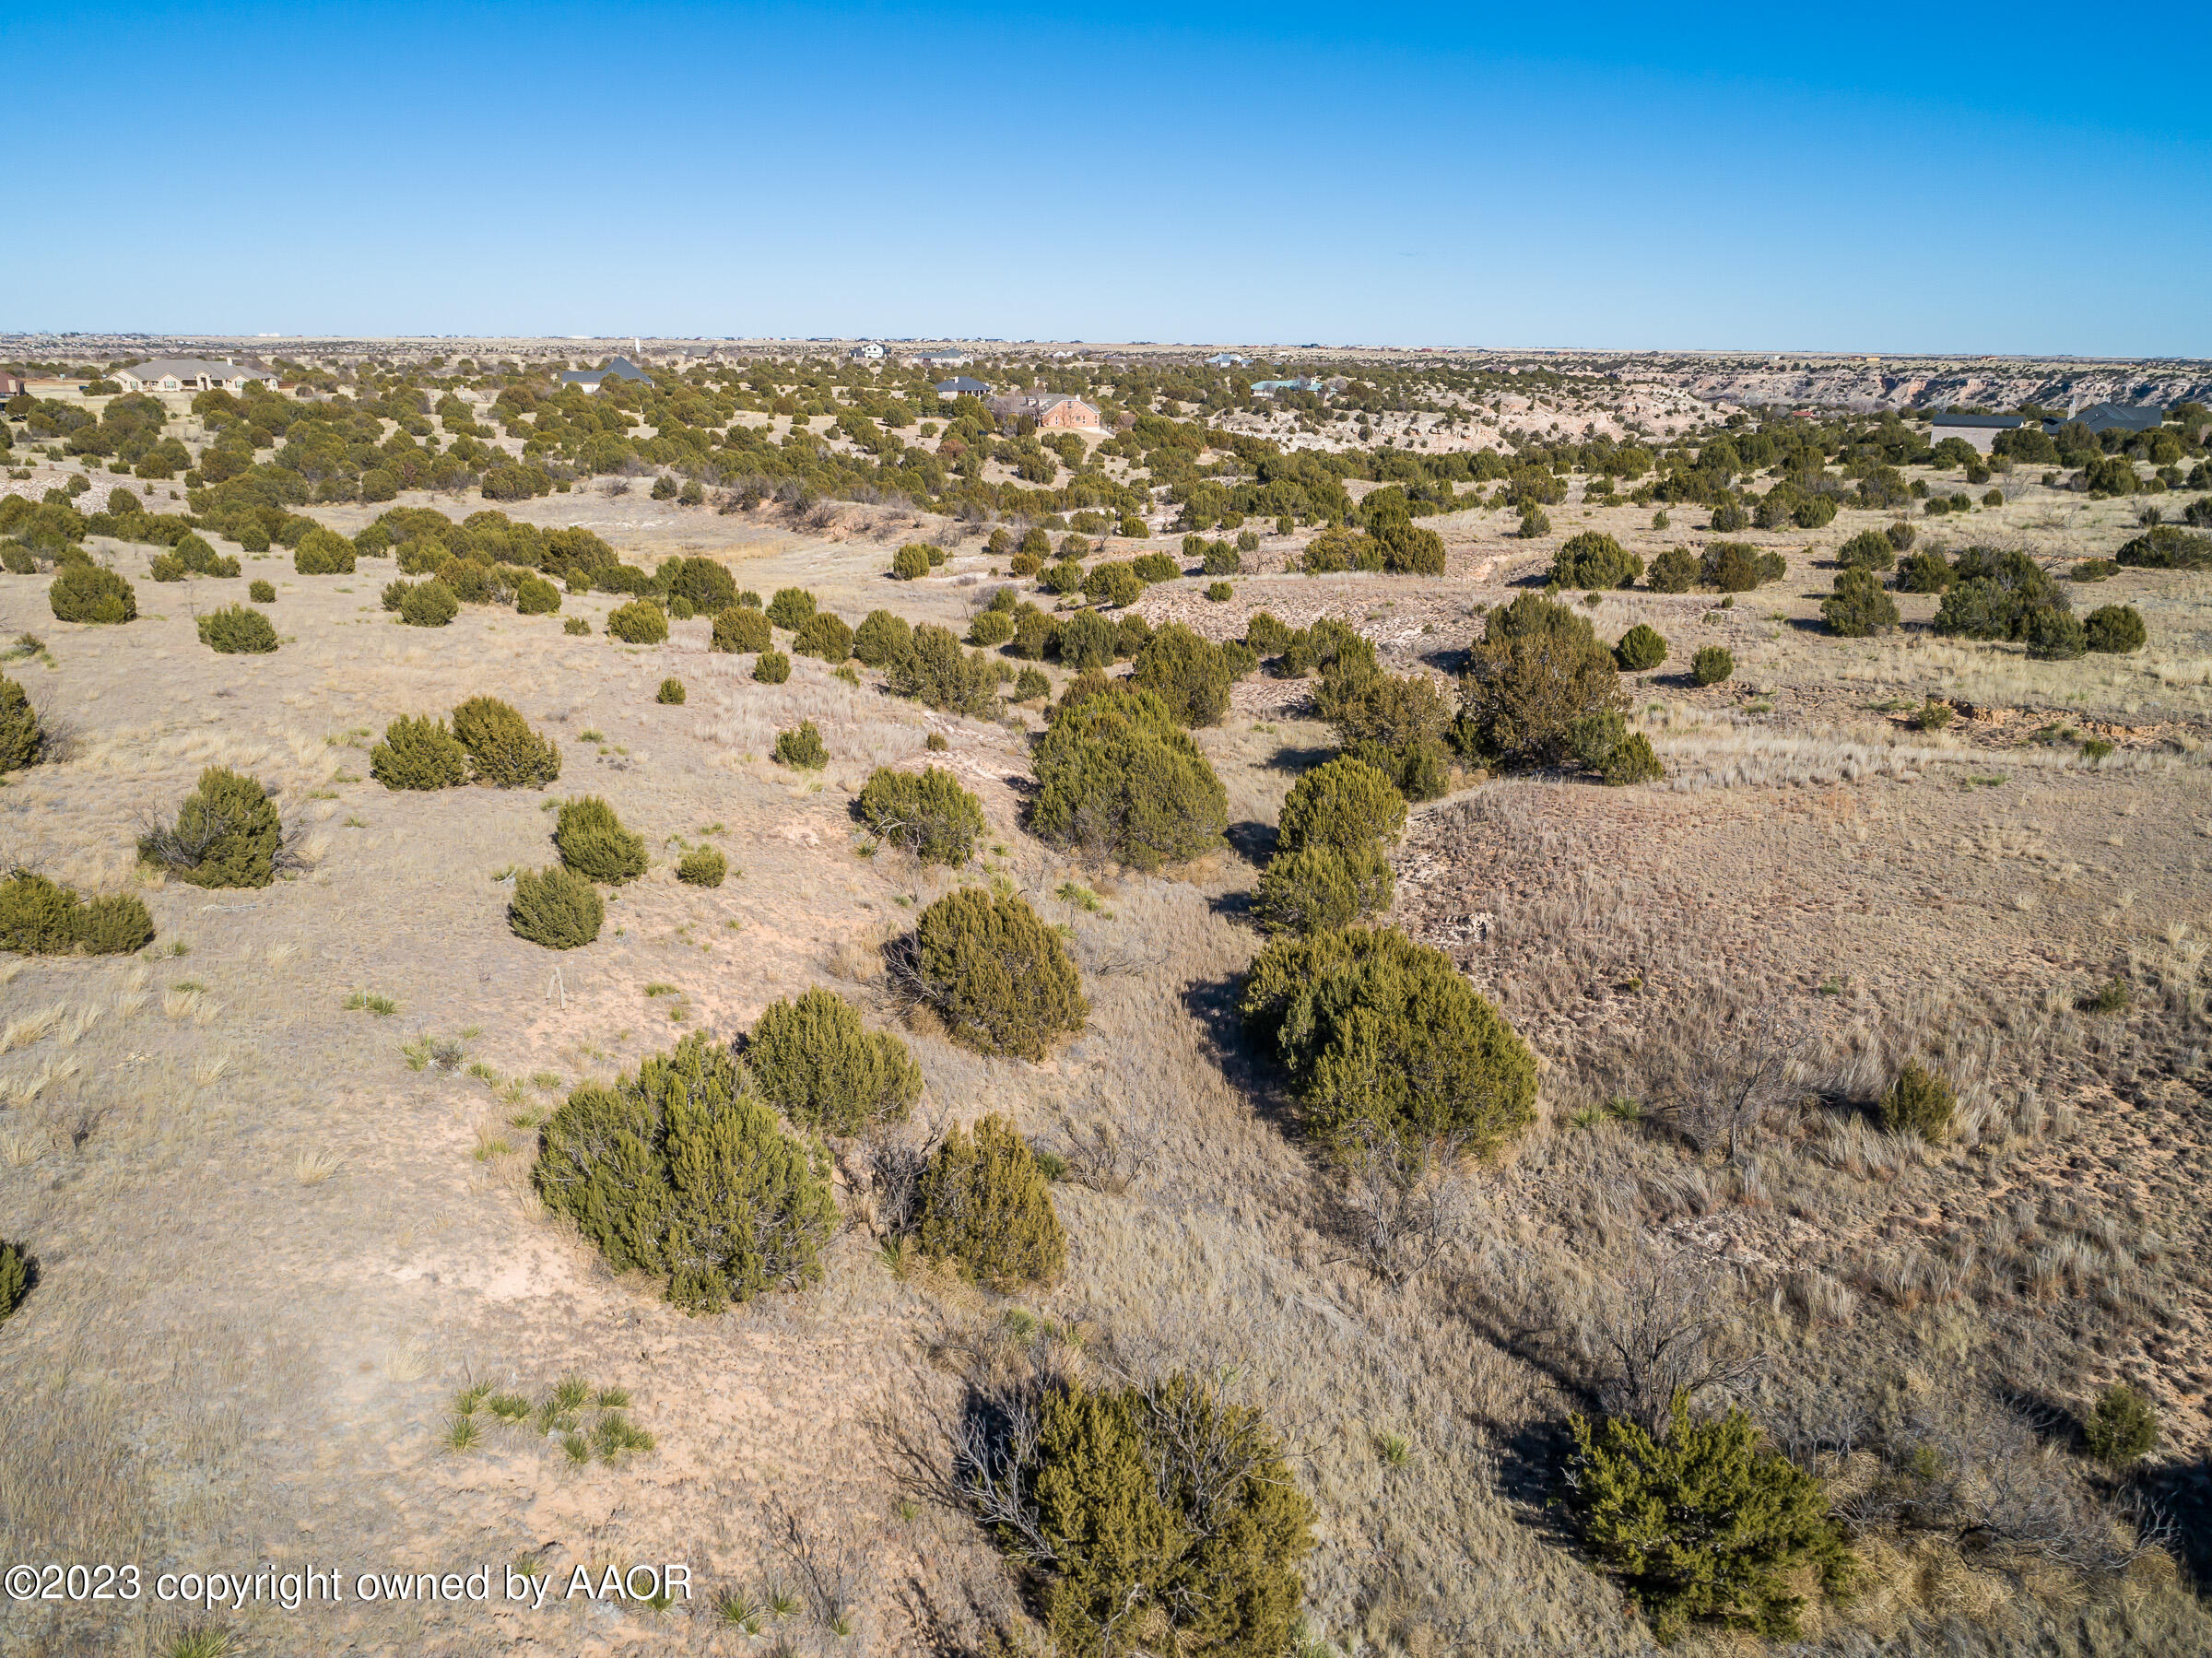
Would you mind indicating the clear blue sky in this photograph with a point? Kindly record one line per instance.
(1875, 178)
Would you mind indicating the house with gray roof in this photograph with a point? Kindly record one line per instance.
(2101, 418)
(620, 368)
(189, 375)
(962, 385)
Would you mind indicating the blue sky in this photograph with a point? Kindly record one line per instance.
(1879, 179)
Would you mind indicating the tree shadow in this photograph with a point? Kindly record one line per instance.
(1251, 840)
(1448, 659)
(1214, 1004)
(1293, 757)
(1530, 1462)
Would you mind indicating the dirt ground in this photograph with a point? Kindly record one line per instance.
(272, 1253)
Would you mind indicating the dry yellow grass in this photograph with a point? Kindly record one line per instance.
(280, 1252)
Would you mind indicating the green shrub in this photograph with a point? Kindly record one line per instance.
(1858, 608)
(1000, 979)
(991, 628)
(704, 585)
(1641, 650)
(739, 629)
(237, 630)
(1087, 640)
(419, 754)
(1925, 572)
(41, 917)
(1729, 515)
(1630, 761)
(1319, 887)
(575, 627)
(502, 749)
(1535, 524)
(1031, 684)
(1217, 592)
(882, 638)
(671, 693)
(1707, 1526)
(2053, 632)
(1814, 513)
(790, 608)
(1344, 805)
(556, 907)
(936, 672)
(1869, 550)
(825, 635)
(985, 1204)
(2094, 569)
(1739, 567)
(226, 834)
(1113, 585)
(911, 563)
(1266, 634)
(1149, 568)
(22, 740)
(1919, 1102)
(2122, 1427)
(1189, 674)
(534, 595)
(1119, 777)
(1383, 1036)
(1711, 665)
(2163, 546)
(262, 593)
(1674, 571)
(324, 553)
(15, 1279)
(426, 604)
(591, 841)
(1538, 670)
(1595, 559)
(771, 667)
(702, 866)
(1995, 594)
(815, 1060)
(1202, 1565)
(927, 813)
(87, 592)
(640, 622)
(678, 1173)
(802, 746)
(2117, 629)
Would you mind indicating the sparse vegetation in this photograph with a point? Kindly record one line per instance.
(592, 842)
(985, 1204)
(502, 749)
(226, 834)
(556, 907)
(1000, 979)
(925, 813)
(677, 1171)
(815, 1060)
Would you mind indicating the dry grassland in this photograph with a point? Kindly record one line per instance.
(272, 1251)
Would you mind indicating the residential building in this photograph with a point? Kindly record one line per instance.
(1059, 410)
(621, 368)
(1268, 388)
(2101, 418)
(869, 351)
(960, 385)
(1227, 359)
(13, 385)
(189, 375)
(945, 360)
(1980, 430)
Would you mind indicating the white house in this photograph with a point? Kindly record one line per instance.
(1979, 430)
(945, 360)
(188, 374)
(1227, 359)
(869, 351)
